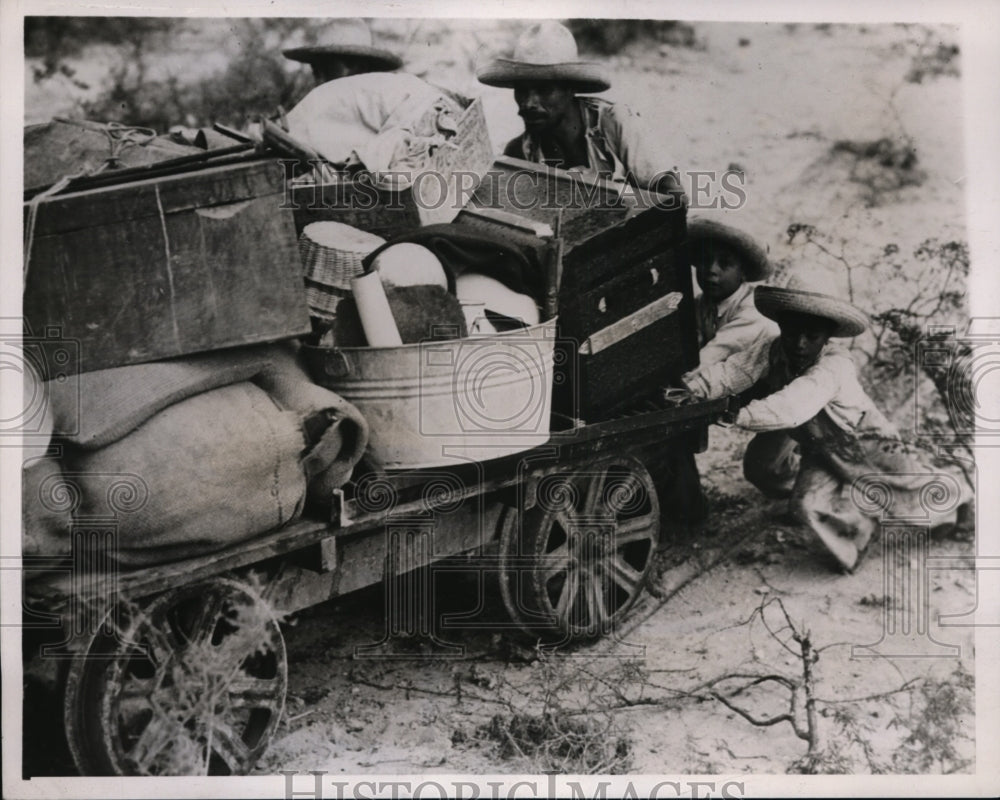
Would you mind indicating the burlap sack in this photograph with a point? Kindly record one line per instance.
(46, 508)
(341, 440)
(223, 446)
(217, 468)
(94, 409)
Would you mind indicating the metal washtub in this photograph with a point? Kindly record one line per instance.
(447, 402)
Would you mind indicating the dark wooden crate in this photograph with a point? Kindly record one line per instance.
(623, 273)
(575, 208)
(167, 266)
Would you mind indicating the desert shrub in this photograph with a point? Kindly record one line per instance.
(52, 39)
(609, 36)
(563, 718)
(255, 82)
(941, 60)
(911, 297)
(940, 727)
(931, 53)
(559, 743)
(882, 166)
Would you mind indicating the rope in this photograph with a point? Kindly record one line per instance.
(120, 138)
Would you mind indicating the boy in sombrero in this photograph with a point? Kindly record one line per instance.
(588, 135)
(808, 391)
(726, 261)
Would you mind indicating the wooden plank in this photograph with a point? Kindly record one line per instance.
(585, 312)
(631, 324)
(613, 250)
(615, 378)
(546, 194)
(145, 198)
(386, 214)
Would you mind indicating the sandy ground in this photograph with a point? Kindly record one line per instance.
(420, 711)
(771, 99)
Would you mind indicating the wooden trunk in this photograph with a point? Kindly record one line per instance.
(166, 267)
(626, 316)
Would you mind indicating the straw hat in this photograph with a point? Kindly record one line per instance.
(545, 52)
(756, 267)
(773, 301)
(349, 37)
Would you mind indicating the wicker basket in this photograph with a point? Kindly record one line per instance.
(332, 253)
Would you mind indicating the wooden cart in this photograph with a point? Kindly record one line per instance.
(184, 663)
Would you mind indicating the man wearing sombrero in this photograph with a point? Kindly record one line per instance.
(807, 390)
(591, 136)
(347, 49)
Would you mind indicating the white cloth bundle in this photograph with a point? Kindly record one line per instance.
(385, 122)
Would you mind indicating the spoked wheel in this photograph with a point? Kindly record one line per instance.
(573, 565)
(192, 684)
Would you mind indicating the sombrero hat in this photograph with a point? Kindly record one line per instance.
(775, 301)
(756, 267)
(545, 52)
(347, 37)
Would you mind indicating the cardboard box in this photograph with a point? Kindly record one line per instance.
(166, 266)
(437, 194)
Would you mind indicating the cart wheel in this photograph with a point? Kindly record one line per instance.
(192, 684)
(573, 565)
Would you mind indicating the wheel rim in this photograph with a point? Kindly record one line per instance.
(575, 563)
(194, 684)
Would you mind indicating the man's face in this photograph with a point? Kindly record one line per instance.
(333, 67)
(719, 271)
(803, 338)
(543, 105)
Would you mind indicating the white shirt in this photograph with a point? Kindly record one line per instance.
(830, 385)
(739, 327)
